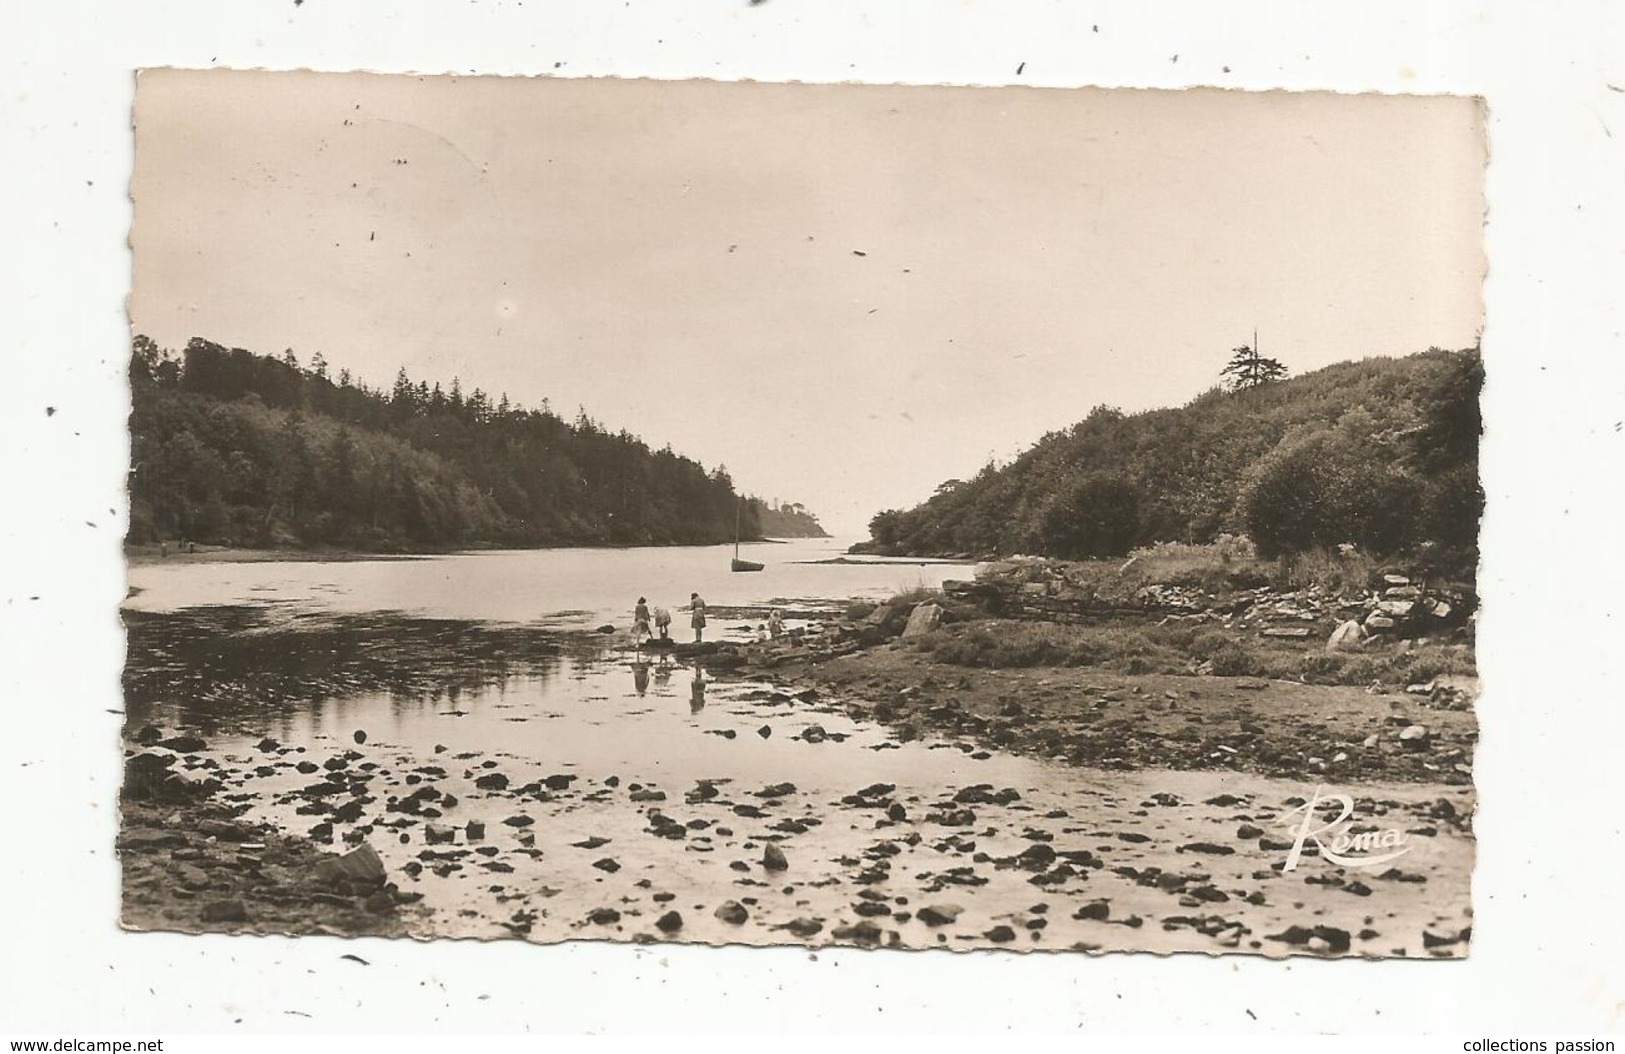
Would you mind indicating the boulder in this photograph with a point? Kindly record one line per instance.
(151, 777)
(804, 927)
(1347, 637)
(439, 834)
(773, 858)
(359, 868)
(939, 914)
(225, 911)
(924, 619)
(733, 913)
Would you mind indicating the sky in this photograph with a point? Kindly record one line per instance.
(846, 294)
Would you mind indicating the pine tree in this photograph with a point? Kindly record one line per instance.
(1249, 369)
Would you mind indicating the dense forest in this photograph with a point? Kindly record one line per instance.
(790, 520)
(234, 448)
(1380, 453)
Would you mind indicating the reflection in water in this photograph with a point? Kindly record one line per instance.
(663, 668)
(640, 677)
(696, 701)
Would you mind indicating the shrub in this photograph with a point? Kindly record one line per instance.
(1328, 489)
(1095, 515)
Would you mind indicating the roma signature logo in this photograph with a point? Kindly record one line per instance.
(1368, 848)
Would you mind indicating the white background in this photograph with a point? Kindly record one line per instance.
(1546, 954)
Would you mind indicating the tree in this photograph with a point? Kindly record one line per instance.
(1249, 369)
(1093, 515)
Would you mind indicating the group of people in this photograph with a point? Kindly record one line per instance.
(661, 620)
(657, 625)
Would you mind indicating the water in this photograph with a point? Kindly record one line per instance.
(566, 588)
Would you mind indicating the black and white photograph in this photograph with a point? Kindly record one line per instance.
(784, 514)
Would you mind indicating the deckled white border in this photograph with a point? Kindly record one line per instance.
(1543, 957)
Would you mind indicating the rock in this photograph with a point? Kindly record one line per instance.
(380, 903)
(439, 834)
(670, 922)
(603, 916)
(1441, 940)
(225, 911)
(474, 831)
(773, 859)
(1036, 857)
(151, 777)
(804, 927)
(1414, 737)
(492, 781)
(183, 744)
(765, 731)
(1347, 637)
(606, 628)
(1247, 832)
(360, 737)
(1099, 910)
(267, 745)
(192, 877)
(814, 734)
(939, 914)
(1206, 847)
(359, 868)
(733, 913)
(862, 932)
(1000, 934)
(1375, 621)
(924, 618)
(1288, 632)
(607, 865)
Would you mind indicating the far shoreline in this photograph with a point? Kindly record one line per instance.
(149, 554)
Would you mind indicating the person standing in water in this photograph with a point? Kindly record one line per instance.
(697, 605)
(640, 621)
(663, 623)
(775, 624)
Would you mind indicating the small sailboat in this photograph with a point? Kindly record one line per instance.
(738, 564)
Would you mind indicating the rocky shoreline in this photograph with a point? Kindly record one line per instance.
(191, 864)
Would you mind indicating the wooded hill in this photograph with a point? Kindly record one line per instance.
(1381, 453)
(787, 521)
(234, 448)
